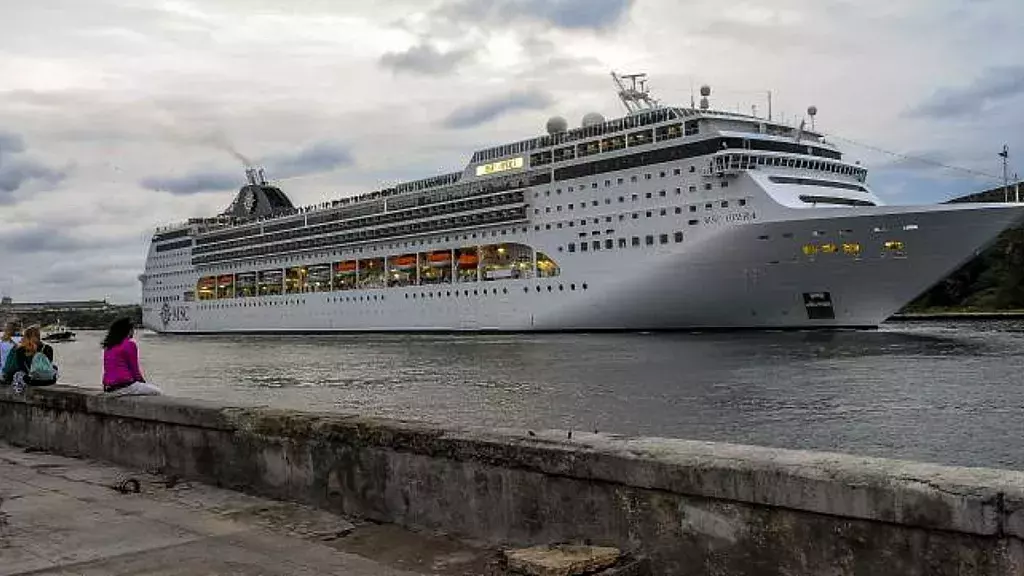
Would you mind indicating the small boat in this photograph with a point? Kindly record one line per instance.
(57, 333)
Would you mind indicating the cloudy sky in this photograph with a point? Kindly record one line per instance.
(120, 115)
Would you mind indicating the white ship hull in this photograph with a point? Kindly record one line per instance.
(725, 280)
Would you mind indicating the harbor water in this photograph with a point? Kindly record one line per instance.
(948, 392)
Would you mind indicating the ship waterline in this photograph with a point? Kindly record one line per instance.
(676, 219)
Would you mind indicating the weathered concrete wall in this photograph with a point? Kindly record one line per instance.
(696, 508)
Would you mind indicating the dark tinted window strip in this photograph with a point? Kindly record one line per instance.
(174, 245)
(816, 182)
(681, 152)
(834, 200)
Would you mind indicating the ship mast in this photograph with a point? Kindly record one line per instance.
(635, 96)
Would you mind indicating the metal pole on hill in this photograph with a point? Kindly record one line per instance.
(1005, 155)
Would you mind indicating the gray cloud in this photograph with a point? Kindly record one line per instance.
(37, 238)
(194, 182)
(10, 143)
(995, 85)
(319, 157)
(491, 109)
(16, 170)
(425, 58)
(566, 14)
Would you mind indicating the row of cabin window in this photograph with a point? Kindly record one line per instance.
(683, 152)
(390, 217)
(609, 243)
(396, 230)
(468, 191)
(622, 199)
(649, 214)
(370, 250)
(619, 181)
(632, 121)
(619, 142)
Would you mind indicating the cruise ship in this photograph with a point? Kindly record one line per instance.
(667, 218)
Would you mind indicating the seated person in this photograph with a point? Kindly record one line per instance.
(122, 375)
(22, 368)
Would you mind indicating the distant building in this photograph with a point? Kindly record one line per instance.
(1000, 194)
(9, 307)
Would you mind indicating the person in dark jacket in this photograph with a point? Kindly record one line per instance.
(19, 361)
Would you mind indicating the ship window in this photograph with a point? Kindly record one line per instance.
(649, 240)
(558, 208)
(708, 206)
(707, 186)
(607, 200)
(622, 199)
(596, 245)
(636, 215)
(609, 244)
(632, 178)
(692, 222)
(571, 206)
(622, 242)
(635, 241)
(635, 197)
(679, 190)
(583, 246)
(693, 188)
(661, 174)
(725, 183)
(678, 237)
(593, 184)
(677, 172)
(619, 181)
(725, 203)
(743, 202)
(679, 210)
(649, 213)
(648, 195)
(607, 183)
(647, 176)
(663, 211)
(661, 193)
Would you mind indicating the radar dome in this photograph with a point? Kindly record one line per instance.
(557, 124)
(705, 90)
(813, 110)
(592, 118)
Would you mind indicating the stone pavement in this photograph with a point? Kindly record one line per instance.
(66, 516)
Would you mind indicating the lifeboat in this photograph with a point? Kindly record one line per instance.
(208, 282)
(226, 280)
(348, 267)
(440, 258)
(468, 260)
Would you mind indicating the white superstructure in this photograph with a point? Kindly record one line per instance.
(667, 218)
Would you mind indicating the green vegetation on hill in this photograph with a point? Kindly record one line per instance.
(86, 319)
(994, 281)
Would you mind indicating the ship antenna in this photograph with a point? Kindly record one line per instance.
(636, 97)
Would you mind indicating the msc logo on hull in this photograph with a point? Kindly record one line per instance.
(170, 314)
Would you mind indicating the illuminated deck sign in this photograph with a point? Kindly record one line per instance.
(499, 166)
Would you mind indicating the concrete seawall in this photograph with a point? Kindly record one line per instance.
(693, 507)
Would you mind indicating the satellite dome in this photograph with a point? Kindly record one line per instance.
(557, 124)
(705, 90)
(812, 110)
(592, 118)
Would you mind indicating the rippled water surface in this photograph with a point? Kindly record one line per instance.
(943, 392)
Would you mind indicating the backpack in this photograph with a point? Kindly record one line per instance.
(41, 368)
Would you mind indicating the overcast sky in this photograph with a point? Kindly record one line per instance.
(117, 116)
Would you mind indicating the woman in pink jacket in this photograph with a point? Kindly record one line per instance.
(121, 373)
